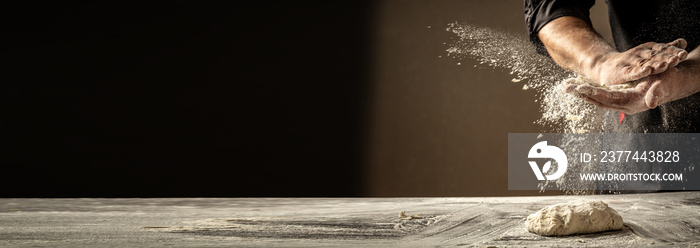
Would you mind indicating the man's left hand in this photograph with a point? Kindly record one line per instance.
(628, 100)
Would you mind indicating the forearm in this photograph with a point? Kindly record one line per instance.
(575, 46)
(692, 65)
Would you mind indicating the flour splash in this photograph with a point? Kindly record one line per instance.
(561, 112)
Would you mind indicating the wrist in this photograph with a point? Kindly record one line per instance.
(691, 75)
(690, 70)
(594, 66)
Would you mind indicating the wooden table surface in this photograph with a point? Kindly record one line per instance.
(658, 219)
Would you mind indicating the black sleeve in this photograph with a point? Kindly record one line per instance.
(540, 12)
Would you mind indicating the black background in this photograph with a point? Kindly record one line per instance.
(108, 99)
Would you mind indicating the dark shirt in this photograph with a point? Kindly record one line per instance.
(633, 23)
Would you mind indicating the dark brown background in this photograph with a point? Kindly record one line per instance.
(281, 98)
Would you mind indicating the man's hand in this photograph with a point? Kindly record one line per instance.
(644, 60)
(575, 46)
(628, 100)
(675, 83)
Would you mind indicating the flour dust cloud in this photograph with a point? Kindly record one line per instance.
(561, 112)
(495, 48)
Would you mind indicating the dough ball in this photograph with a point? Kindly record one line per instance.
(574, 217)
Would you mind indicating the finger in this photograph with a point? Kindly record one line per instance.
(570, 87)
(642, 86)
(663, 52)
(666, 48)
(658, 67)
(673, 61)
(679, 43)
(660, 47)
(604, 106)
(662, 56)
(672, 51)
(602, 95)
(677, 48)
(614, 100)
(570, 81)
(652, 98)
(660, 61)
(654, 95)
(683, 54)
(611, 98)
(582, 91)
(633, 73)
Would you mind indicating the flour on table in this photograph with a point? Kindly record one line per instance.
(574, 217)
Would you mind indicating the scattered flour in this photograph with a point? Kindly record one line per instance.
(574, 217)
(413, 223)
(561, 112)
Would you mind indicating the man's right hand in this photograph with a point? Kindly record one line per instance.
(647, 59)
